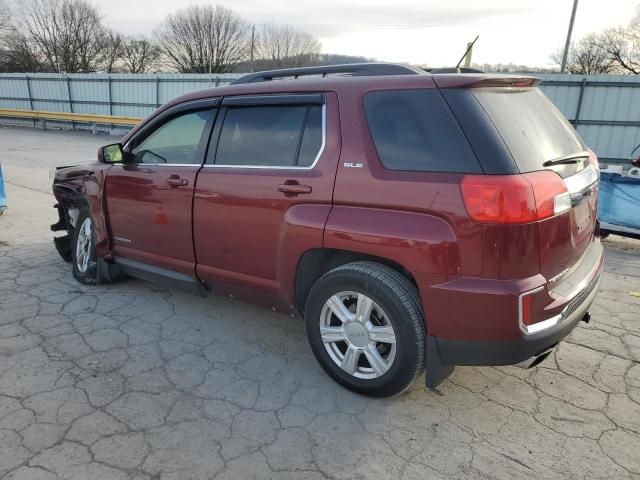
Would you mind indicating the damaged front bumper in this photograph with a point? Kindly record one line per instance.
(62, 244)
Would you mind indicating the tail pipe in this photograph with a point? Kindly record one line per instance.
(536, 359)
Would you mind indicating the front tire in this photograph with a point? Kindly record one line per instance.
(83, 250)
(365, 326)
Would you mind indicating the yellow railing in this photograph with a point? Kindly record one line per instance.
(69, 117)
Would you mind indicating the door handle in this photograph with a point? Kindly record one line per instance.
(294, 189)
(176, 181)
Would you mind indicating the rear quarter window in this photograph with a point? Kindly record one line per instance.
(414, 130)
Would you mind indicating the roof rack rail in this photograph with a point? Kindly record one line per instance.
(436, 71)
(353, 69)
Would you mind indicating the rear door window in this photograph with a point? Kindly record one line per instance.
(270, 136)
(414, 130)
(532, 127)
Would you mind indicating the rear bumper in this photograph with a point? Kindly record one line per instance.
(468, 352)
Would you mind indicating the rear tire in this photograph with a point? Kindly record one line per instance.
(83, 250)
(365, 326)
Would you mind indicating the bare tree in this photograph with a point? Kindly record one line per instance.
(66, 35)
(283, 46)
(587, 56)
(16, 54)
(139, 55)
(112, 49)
(623, 45)
(203, 38)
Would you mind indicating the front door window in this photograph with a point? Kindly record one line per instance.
(176, 142)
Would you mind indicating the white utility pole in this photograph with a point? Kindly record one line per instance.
(567, 44)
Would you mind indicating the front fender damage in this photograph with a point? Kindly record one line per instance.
(62, 244)
(77, 189)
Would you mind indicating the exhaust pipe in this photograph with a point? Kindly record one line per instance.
(536, 359)
(587, 317)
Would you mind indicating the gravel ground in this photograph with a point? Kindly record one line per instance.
(133, 381)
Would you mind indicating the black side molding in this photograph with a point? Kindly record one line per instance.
(161, 276)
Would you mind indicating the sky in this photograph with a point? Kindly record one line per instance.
(425, 32)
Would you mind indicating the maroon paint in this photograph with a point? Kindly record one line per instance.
(150, 219)
(249, 236)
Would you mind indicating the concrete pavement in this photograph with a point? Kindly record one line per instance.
(131, 381)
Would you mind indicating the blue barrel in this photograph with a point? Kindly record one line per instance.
(3, 195)
(619, 200)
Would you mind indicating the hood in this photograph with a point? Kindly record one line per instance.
(82, 169)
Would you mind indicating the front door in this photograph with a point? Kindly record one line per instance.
(150, 195)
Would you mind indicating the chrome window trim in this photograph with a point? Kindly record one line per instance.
(162, 164)
(284, 167)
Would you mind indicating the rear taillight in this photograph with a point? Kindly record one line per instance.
(515, 198)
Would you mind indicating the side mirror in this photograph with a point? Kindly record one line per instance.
(111, 153)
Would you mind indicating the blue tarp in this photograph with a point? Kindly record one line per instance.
(619, 200)
(3, 195)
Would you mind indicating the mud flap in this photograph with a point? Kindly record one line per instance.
(107, 272)
(63, 246)
(62, 220)
(436, 372)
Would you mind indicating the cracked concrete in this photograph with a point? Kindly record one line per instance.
(129, 381)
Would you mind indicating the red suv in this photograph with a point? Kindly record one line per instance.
(416, 221)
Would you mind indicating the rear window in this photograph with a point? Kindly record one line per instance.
(414, 130)
(532, 127)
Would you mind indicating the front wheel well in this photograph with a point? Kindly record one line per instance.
(314, 263)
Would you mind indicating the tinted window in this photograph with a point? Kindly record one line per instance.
(311, 138)
(531, 126)
(176, 141)
(415, 130)
(282, 135)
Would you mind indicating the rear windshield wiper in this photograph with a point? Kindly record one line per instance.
(573, 158)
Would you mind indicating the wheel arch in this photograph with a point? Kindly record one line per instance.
(315, 262)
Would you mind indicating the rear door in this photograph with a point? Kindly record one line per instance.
(149, 197)
(539, 137)
(271, 165)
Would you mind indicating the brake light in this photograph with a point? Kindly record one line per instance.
(511, 199)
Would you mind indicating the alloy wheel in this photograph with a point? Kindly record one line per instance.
(357, 335)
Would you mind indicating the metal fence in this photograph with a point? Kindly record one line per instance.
(604, 108)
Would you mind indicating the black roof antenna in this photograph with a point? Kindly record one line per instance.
(469, 47)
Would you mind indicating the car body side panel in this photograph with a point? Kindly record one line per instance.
(149, 220)
(419, 242)
(362, 181)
